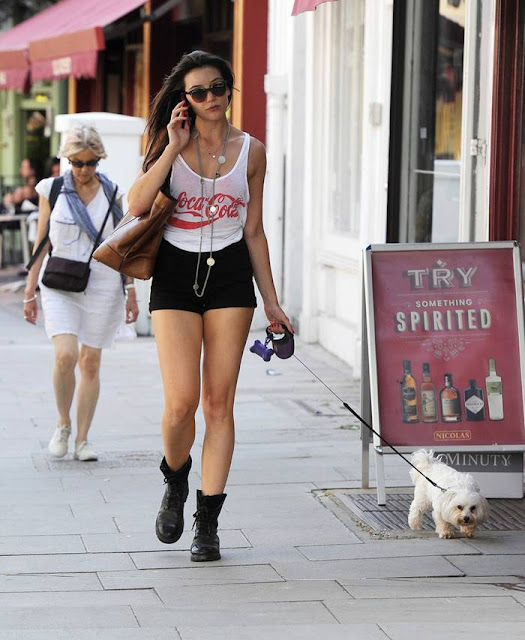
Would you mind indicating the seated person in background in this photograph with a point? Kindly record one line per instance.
(30, 171)
(52, 167)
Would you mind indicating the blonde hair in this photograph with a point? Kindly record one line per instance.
(82, 138)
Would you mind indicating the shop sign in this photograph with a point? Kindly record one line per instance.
(446, 345)
(61, 66)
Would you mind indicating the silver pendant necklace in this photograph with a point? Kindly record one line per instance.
(210, 210)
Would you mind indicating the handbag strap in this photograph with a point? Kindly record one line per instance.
(55, 190)
(53, 196)
(99, 236)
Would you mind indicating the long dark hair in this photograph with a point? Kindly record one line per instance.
(169, 96)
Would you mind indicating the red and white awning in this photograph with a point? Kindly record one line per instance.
(300, 6)
(61, 41)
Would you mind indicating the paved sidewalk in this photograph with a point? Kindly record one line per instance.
(78, 554)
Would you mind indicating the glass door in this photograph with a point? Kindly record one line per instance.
(426, 121)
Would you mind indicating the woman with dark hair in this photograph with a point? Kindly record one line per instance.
(202, 295)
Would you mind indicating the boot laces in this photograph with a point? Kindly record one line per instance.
(173, 499)
(202, 520)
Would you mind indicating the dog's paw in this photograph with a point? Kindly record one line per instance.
(446, 533)
(468, 532)
(415, 523)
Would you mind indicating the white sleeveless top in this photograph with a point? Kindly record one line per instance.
(183, 229)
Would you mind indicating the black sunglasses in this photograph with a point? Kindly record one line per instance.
(78, 164)
(199, 95)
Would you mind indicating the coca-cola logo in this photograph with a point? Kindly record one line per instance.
(226, 206)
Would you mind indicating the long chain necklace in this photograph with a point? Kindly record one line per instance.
(210, 208)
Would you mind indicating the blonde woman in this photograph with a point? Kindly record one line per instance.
(83, 323)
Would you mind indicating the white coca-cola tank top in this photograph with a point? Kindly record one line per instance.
(231, 198)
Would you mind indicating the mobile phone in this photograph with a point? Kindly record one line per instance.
(183, 98)
(190, 112)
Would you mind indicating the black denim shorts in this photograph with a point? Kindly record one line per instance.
(230, 283)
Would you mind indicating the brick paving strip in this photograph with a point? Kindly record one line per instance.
(78, 554)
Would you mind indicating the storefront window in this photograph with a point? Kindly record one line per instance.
(427, 166)
(343, 114)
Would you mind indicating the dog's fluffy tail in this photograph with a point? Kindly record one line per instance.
(422, 460)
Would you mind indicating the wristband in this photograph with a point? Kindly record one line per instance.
(30, 299)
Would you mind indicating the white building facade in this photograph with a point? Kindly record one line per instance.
(339, 178)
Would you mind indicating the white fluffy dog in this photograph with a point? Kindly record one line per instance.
(461, 505)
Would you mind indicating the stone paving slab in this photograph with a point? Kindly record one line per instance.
(460, 630)
(20, 511)
(187, 576)
(72, 598)
(22, 545)
(344, 570)
(116, 633)
(229, 594)
(511, 543)
(288, 632)
(52, 498)
(419, 588)
(489, 565)
(251, 613)
(49, 582)
(334, 533)
(59, 526)
(283, 474)
(70, 563)
(142, 542)
(431, 612)
(229, 557)
(67, 617)
(387, 549)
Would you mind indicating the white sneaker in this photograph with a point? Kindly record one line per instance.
(84, 452)
(58, 444)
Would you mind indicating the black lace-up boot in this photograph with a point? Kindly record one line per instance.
(205, 545)
(170, 519)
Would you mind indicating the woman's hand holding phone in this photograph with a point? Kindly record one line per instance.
(178, 132)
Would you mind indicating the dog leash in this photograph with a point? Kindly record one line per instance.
(284, 348)
(354, 413)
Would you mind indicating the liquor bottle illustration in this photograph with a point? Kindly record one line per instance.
(408, 395)
(450, 403)
(474, 403)
(427, 393)
(494, 392)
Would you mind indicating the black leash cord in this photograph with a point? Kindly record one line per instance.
(354, 413)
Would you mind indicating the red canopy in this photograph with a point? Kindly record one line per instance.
(14, 63)
(306, 5)
(60, 41)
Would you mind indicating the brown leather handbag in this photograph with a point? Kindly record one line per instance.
(132, 247)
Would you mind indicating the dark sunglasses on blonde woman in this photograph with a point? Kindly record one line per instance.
(78, 164)
(199, 94)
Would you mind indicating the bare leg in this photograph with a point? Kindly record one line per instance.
(225, 334)
(88, 389)
(66, 356)
(179, 340)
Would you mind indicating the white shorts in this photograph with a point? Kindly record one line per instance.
(93, 315)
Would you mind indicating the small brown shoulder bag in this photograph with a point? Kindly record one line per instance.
(132, 247)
